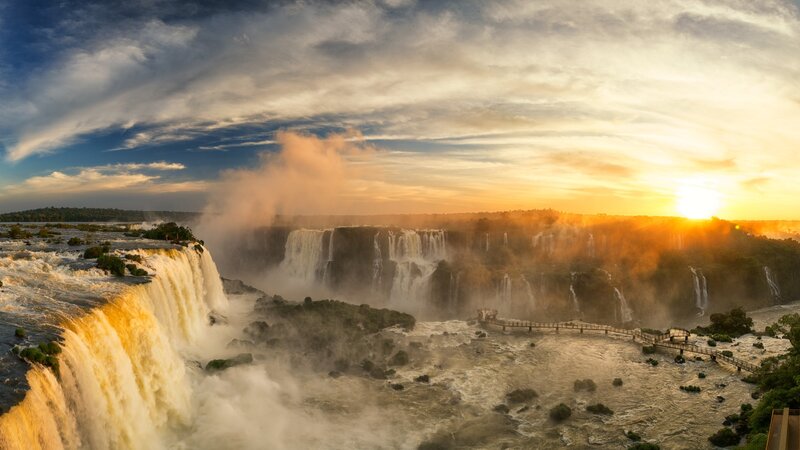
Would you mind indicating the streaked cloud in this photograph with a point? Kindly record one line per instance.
(515, 102)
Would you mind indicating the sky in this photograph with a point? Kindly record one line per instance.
(619, 107)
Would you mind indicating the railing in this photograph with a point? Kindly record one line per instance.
(665, 340)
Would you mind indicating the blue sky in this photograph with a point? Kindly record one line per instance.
(593, 106)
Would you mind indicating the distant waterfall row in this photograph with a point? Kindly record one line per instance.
(408, 257)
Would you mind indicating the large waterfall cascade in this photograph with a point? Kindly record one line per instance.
(122, 381)
(416, 254)
(303, 258)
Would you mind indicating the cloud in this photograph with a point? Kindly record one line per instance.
(116, 177)
(491, 99)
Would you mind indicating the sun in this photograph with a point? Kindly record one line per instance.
(697, 202)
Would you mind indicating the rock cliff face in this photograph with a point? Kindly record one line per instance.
(543, 265)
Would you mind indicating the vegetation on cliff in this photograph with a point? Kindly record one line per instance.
(52, 214)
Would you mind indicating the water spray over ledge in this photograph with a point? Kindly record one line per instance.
(122, 381)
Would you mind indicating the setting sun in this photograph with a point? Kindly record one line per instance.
(697, 202)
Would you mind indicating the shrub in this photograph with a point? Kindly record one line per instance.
(222, 364)
(644, 446)
(134, 258)
(617, 382)
(584, 385)
(95, 252)
(170, 231)
(50, 348)
(690, 388)
(397, 386)
(135, 271)
(111, 263)
(711, 343)
(635, 437)
(724, 438)
(599, 408)
(423, 379)
(521, 395)
(399, 359)
(652, 362)
(722, 338)
(735, 323)
(759, 345)
(649, 349)
(20, 333)
(701, 375)
(560, 412)
(16, 232)
(679, 359)
(73, 241)
(727, 353)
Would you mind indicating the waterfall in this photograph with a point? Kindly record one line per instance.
(576, 306)
(411, 283)
(326, 275)
(505, 289)
(416, 255)
(434, 244)
(700, 290)
(455, 281)
(625, 312)
(303, 258)
(773, 286)
(528, 291)
(123, 381)
(405, 246)
(377, 265)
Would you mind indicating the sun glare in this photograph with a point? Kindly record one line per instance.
(697, 202)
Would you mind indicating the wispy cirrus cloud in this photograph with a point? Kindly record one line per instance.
(478, 97)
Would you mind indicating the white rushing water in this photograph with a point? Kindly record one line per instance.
(625, 312)
(576, 306)
(774, 290)
(303, 257)
(123, 381)
(700, 290)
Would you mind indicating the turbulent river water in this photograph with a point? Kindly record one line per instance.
(130, 376)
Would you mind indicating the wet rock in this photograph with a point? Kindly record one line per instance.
(215, 318)
(523, 409)
(560, 412)
(399, 359)
(521, 395)
(501, 408)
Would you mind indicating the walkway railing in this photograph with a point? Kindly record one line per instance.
(665, 340)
